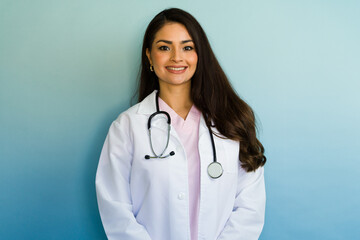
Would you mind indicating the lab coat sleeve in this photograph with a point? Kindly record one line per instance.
(247, 219)
(112, 185)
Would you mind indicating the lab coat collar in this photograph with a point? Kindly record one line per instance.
(148, 107)
(202, 128)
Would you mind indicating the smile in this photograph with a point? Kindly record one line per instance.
(176, 68)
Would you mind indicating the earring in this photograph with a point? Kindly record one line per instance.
(151, 68)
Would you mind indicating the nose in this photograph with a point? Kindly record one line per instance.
(176, 55)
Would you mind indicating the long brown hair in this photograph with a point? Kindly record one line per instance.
(211, 90)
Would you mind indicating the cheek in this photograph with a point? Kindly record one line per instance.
(193, 58)
(158, 58)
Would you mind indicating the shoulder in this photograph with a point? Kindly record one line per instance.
(127, 114)
(138, 111)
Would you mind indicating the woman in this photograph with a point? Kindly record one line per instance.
(201, 178)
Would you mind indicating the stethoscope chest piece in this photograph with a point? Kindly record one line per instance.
(215, 170)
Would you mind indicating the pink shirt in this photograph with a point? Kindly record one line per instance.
(188, 132)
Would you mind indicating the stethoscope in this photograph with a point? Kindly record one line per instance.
(214, 169)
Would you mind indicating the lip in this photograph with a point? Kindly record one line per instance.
(176, 69)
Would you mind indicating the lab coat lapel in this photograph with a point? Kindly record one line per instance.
(160, 121)
(148, 107)
(203, 129)
(205, 144)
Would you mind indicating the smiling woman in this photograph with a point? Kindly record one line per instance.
(205, 178)
(173, 55)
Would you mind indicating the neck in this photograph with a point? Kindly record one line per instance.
(178, 98)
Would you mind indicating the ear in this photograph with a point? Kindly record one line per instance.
(148, 55)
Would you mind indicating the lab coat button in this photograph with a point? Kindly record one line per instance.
(181, 196)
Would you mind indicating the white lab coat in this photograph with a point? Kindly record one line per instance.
(148, 199)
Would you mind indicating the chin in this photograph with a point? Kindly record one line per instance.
(176, 81)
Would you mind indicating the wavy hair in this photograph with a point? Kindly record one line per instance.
(211, 90)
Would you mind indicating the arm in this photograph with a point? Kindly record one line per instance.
(247, 219)
(112, 186)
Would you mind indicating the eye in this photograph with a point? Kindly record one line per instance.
(188, 48)
(164, 48)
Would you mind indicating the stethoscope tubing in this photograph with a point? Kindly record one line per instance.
(213, 145)
(215, 169)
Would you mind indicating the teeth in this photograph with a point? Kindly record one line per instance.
(176, 69)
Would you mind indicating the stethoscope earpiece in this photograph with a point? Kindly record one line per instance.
(172, 153)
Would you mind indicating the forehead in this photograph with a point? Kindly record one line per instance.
(172, 32)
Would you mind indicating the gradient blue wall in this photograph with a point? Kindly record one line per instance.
(68, 68)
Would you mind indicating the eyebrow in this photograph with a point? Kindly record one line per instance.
(170, 42)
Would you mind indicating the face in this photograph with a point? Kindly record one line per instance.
(173, 55)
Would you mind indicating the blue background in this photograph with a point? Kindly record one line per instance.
(68, 68)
